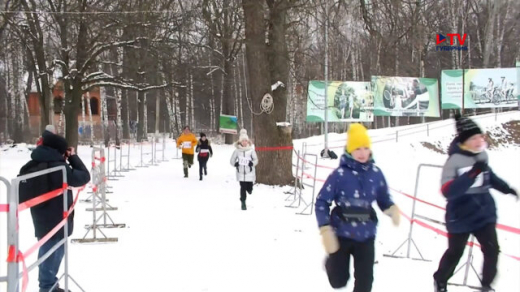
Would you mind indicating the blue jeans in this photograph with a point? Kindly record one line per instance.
(49, 268)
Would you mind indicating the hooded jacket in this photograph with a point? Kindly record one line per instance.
(50, 213)
(353, 187)
(470, 205)
(244, 155)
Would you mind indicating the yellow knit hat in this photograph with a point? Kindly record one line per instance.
(357, 138)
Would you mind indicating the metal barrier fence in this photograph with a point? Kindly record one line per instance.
(409, 240)
(15, 257)
(99, 202)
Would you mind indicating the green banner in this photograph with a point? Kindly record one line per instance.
(349, 101)
(228, 124)
(405, 96)
(483, 88)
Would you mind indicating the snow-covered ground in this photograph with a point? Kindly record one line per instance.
(187, 235)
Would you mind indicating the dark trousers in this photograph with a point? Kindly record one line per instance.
(245, 186)
(487, 237)
(338, 264)
(49, 268)
(187, 161)
(203, 166)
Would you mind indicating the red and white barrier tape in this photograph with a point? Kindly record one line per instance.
(20, 257)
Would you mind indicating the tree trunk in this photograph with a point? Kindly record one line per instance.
(72, 106)
(228, 101)
(488, 37)
(140, 113)
(266, 133)
(92, 135)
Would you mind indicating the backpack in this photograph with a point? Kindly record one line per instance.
(36, 186)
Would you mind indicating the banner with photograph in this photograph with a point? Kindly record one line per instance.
(483, 88)
(406, 96)
(348, 101)
(228, 124)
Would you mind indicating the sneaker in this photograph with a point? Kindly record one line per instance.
(440, 287)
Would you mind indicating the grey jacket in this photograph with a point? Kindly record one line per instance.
(243, 155)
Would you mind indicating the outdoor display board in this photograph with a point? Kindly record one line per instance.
(347, 101)
(228, 124)
(483, 88)
(405, 96)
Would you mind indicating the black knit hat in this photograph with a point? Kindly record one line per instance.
(55, 141)
(465, 128)
(202, 135)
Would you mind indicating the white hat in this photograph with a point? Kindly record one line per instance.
(243, 135)
(50, 128)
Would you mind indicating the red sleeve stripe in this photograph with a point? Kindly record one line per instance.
(445, 186)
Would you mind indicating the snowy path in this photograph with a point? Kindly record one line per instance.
(186, 235)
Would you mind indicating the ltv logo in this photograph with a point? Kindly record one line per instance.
(452, 36)
(462, 40)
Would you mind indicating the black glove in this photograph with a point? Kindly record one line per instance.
(251, 163)
(478, 168)
(512, 192)
(236, 164)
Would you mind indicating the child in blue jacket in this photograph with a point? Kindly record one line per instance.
(350, 228)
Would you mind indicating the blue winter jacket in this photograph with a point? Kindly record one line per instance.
(353, 187)
(470, 205)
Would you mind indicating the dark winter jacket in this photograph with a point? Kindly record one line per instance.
(353, 187)
(470, 205)
(48, 214)
(204, 149)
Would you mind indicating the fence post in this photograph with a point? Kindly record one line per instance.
(66, 232)
(296, 186)
(409, 240)
(12, 238)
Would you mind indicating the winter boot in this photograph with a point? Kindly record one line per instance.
(487, 288)
(440, 287)
(205, 170)
(185, 172)
(244, 205)
(200, 177)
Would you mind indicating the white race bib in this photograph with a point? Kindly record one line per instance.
(243, 161)
(204, 150)
(479, 180)
(186, 144)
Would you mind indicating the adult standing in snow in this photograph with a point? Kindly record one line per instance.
(205, 152)
(471, 210)
(350, 229)
(52, 153)
(244, 159)
(187, 141)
